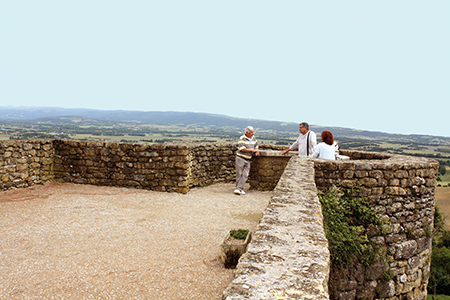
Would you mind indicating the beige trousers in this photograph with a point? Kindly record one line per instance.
(242, 171)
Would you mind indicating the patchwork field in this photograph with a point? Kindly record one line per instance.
(443, 202)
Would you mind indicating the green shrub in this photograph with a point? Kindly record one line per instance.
(440, 257)
(346, 218)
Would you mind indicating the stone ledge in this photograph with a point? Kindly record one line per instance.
(288, 257)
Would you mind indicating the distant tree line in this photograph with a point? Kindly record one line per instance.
(440, 258)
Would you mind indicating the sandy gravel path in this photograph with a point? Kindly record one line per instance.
(67, 241)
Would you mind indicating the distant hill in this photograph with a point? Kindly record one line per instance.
(35, 114)
(146, 117)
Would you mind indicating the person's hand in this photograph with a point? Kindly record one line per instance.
(285, 151)
(257, 152)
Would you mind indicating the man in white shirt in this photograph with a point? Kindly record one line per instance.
(305, 143)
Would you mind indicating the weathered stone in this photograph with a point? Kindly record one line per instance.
(406, 249)
(387, 289)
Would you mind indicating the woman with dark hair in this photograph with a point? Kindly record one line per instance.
(327, 149)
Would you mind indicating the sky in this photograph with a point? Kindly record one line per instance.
(369, 65)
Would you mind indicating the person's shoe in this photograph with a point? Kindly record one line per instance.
(242, 192)
(237, 192)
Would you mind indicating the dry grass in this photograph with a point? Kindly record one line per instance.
(443, 202)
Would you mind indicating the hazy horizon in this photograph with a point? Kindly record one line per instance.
(224, 115)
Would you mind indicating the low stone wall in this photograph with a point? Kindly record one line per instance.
(25, 163)
(267, 169)
(288, 257)
(162, 167)
(211, 163)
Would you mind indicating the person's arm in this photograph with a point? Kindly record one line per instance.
(285, 151)
(316, 152)
(250, 150)
(247, 150)
(313, 141)
(293, 146)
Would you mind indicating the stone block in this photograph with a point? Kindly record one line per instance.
(406, 249)
(387, 289)
(391, 190)
(401, 174)
(370, 182)
(361, 174)
(367, 290)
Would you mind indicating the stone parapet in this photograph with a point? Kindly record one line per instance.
(401, 189)
(288, 257)
(267, 169)
(25, 163)
(170, 167)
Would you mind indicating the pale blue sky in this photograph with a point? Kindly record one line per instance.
(372, 65)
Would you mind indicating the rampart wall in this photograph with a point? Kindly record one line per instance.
(288, 256)
(401, 189)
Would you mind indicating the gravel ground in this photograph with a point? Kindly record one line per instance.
(67, 241)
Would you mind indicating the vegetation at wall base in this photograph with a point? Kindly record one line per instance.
(239, 234)
(346, 218)
(439, 282)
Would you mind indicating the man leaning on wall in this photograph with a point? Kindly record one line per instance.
(247, 147)
(305, 143)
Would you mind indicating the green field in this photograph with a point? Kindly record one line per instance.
(445, 179)
(438, 297)
(137, 132)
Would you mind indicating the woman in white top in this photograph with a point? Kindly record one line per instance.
(327, 149)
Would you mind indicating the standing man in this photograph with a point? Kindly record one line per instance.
(306, 142)
(247, 147)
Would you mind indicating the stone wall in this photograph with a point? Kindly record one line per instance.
(288, 257)
(267, 169)
(401, 190)
(25, 163)
(170, 167)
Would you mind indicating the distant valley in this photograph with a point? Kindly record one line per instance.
(169, 126)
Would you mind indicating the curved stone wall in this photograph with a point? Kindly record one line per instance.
(25, 162)
(400, 188)
(402, 191)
